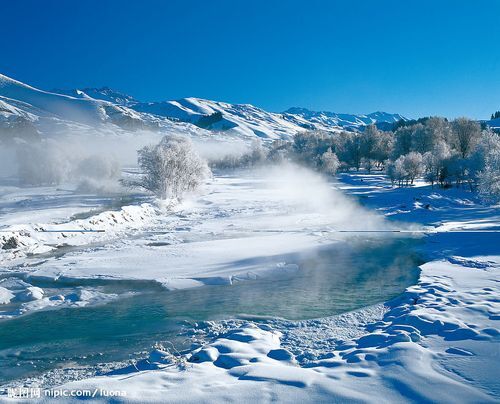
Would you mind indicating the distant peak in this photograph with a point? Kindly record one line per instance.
(298, 110)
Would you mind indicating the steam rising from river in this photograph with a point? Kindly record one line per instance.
(303, 190)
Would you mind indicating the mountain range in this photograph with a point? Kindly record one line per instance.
(96, 107)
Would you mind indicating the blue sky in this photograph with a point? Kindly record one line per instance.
(413, 57)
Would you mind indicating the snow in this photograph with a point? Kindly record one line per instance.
(240, 228)
(434, 343)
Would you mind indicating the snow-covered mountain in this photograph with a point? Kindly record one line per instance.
(243, 119)
(98, 106)
(325, 119)
(103, 93)
(21, 100)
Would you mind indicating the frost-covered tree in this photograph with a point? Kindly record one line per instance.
(489, 178)
(329, 162)
(435, 161)
(310, 145)
(484, 166)
(422, 139)
(413, 165)
(279, 151)
(440, 129)
(171, 168)
(465, 135)
(348, 146)
(383, 148)
(403, 140)
(256, 155)
(396, 171)
(405, 169)
(369, 144)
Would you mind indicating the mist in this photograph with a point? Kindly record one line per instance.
(213, 150)
(309, 192)
(90, 160)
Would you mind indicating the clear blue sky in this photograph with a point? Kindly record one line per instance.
(413, 57)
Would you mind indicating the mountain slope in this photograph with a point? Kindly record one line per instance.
(33, 103)
(243, 119)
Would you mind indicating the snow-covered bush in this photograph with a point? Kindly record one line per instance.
(229, 161)
(171, 168)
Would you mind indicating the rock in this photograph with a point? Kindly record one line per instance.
(10, 244)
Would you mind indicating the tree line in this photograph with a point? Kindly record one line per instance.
(445, 153)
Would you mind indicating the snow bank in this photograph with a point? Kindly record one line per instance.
(18, 241)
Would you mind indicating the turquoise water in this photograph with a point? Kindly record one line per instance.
(336, 279)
